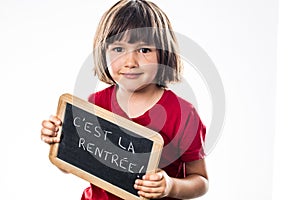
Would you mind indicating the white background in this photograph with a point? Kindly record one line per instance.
(253, 43)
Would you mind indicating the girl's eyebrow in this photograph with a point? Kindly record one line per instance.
(145, 44)
(116, 43)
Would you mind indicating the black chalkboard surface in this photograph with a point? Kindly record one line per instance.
(103, 148)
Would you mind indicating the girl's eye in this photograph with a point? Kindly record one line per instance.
(118, 49)
(144, 50)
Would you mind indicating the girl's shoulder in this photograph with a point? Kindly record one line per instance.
(170, 98)
(98, 97)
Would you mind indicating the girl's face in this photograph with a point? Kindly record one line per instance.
(133, 66)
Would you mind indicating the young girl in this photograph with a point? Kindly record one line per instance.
(135, 51)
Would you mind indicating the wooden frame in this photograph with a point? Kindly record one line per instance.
(115, 119)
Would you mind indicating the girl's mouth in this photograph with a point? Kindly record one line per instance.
(131, 75)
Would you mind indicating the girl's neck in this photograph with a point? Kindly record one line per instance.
(136, 103)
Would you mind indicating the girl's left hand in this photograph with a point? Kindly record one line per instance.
(154, 186)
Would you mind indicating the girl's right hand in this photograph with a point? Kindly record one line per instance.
(50, 129)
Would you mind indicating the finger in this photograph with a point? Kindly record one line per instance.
(50, 140)
(47, 124)
(149, 195)
(154, 177)
(145, 183)
(146, 189)
(48, 132)
(55, 120)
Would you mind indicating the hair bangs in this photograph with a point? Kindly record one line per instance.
(133, 24)
(146, 35)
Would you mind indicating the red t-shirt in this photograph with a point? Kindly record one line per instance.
(174, 118)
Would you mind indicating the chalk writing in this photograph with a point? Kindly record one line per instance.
(89, 127)
(110, 157)
(105, 155)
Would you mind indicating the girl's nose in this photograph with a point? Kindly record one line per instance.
(131, 59)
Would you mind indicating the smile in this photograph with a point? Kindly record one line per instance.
(131, 75)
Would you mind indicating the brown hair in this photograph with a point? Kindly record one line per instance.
(144, 21)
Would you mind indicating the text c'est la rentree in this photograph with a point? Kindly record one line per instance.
(109, 157)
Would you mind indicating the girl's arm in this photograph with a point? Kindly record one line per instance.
(160, 185)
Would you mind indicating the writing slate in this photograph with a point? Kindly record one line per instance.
(104, 148)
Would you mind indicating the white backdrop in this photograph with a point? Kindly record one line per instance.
(43, 45)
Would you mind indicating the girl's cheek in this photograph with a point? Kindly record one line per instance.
(111, 71)
(114, 72)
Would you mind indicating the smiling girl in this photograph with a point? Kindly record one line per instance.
(136, 52)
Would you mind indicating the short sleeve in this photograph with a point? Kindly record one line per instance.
(102, 98)
(193, 137)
